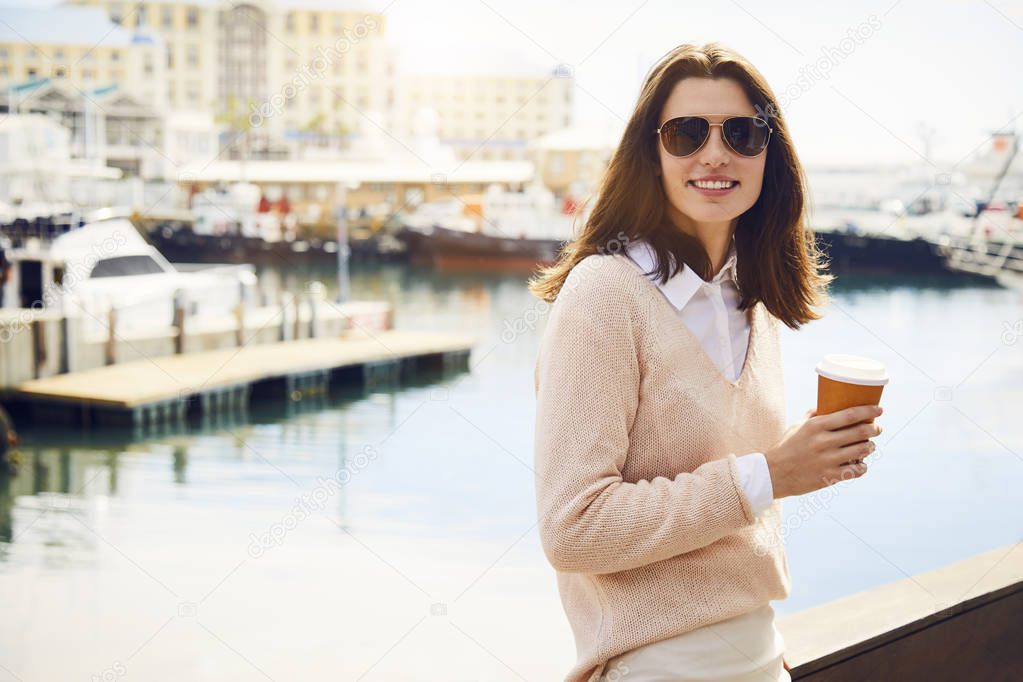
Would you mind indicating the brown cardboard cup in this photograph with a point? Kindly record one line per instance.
(847, 381)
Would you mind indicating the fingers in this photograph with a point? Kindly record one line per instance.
(848, 416)
(855, 451)
(857, 433)
(853, 469)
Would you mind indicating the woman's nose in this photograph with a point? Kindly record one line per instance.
(714, 151)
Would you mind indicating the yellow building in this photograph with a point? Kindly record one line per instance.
(286, 74)
(572, 161)
(301, 82)
(489, 116)
(77, 46)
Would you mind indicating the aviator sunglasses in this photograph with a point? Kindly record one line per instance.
(686, 135)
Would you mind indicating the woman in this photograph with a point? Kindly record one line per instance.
(661, 450)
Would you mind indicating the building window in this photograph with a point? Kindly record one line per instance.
(140, 15)
(59, 73)
(170, 57)
(115, 56)
(289, 22)
(192, 17)
(192, 56)
(167, 16)
(31, 73)
(314, 22)
(115, 12)
(58, 54)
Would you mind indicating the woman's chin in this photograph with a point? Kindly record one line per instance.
(711, 213)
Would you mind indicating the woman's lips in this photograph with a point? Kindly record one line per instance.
(713, 192)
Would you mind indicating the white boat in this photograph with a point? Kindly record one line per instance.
(107, 264)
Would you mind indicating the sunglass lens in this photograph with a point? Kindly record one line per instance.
(747, 135)
(683, 136)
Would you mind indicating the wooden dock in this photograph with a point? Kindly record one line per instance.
(175, 387)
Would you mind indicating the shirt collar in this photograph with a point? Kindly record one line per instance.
(685, 283)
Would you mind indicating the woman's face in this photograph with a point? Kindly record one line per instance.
(718, 98)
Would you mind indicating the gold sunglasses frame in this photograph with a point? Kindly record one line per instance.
(721, 124)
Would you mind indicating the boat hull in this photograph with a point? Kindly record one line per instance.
(446, 248)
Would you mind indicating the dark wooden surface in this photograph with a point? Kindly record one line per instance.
(979, 639)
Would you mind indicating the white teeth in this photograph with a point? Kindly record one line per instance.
(713, 185)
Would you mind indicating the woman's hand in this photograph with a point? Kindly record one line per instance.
(822, 450)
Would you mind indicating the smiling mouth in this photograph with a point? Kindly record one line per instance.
(716, 185)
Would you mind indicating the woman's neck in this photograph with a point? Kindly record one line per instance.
(716, 239)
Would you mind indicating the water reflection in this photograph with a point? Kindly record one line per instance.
(420, 492)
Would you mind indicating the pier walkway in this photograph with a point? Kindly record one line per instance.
(174, 386)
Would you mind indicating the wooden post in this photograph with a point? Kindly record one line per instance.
(316, 292)
(38, 346)
(70, 333)
(285, 301)
(179, 322)
(111, 346)
(239, 316)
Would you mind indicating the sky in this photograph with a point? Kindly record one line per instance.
(951, 67)
(895, 69)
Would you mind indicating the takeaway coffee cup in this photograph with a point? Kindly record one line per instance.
(847, 381)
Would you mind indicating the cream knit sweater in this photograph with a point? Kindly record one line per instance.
(641, 511)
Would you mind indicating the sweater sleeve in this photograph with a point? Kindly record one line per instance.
(587, 379)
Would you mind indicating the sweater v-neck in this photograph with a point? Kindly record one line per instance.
(700, 352)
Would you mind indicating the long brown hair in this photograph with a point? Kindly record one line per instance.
(778, 259)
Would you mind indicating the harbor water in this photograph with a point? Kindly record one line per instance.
(391, 534)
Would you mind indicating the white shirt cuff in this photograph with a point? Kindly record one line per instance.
(755, 478)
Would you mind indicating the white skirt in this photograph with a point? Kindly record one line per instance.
(747, 648)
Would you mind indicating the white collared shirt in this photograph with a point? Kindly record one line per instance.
(710, 310)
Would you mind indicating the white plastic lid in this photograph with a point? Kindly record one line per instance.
(853, 369)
